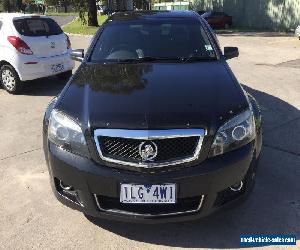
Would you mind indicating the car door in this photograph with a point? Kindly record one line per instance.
(1, 36)
(4, 31)
(3, 39)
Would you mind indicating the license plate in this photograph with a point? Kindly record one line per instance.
(56, 68)
(148, 194)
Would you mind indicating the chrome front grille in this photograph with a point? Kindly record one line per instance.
(149, 148)
(128, 149)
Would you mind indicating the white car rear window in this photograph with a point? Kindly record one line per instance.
(37, 27)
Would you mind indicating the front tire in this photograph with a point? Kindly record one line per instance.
(10, 80)
(65, 75)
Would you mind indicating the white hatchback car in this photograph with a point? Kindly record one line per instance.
(32, 47)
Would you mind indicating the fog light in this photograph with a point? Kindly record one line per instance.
(65, 187)
(67, 191)
(237, 187)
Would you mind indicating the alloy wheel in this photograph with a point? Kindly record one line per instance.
(8, 79)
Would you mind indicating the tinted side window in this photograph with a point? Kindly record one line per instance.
(0, 25)
(37, 27)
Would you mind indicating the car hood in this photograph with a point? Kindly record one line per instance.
(153, 96)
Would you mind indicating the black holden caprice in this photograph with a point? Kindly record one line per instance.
(153, 126)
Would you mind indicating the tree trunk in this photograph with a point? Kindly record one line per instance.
(65, 3)
(19, 5)
(6, 6)
(121, 5)
(92, 13)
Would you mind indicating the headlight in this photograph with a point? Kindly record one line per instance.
(238, 131)
(66, 133)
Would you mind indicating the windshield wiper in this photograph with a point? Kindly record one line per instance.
(150, 59)
(126, 60)
(198, 58)
(181, 59)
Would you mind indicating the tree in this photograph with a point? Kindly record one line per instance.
(19, 5)
(83, 6)
(6, 6)
(64, 3)
(92, 13)
(120, 4)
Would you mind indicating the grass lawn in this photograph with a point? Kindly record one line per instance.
(76, 27)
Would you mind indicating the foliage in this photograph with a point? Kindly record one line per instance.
(76, 26)
(64, 3)
(7, 6)
(81, 7)
(92, 13)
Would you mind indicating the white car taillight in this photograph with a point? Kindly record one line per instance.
(20, 45)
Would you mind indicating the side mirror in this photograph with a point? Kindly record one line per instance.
(231, 52)
(77, 55)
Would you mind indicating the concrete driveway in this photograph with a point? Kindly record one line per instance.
(31, 218)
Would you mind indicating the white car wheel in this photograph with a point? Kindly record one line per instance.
(10, 79)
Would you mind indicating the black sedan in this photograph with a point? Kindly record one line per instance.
(153, 126)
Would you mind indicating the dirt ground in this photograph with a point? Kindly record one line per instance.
(31, 218)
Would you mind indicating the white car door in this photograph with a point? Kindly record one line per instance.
(4, 53)
(1, 37)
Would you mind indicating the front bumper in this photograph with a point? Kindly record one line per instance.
(207, 181)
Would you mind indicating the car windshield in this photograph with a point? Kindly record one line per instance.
(37, 27)
(153, 40)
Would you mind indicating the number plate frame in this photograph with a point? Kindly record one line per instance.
(148, 197)
(57, 68)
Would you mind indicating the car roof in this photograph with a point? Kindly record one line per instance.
(11, 16)
(138, 15)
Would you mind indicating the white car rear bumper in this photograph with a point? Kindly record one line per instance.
(31, 68)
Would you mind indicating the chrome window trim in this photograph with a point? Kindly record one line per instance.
(150, 135)
(116, 211)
